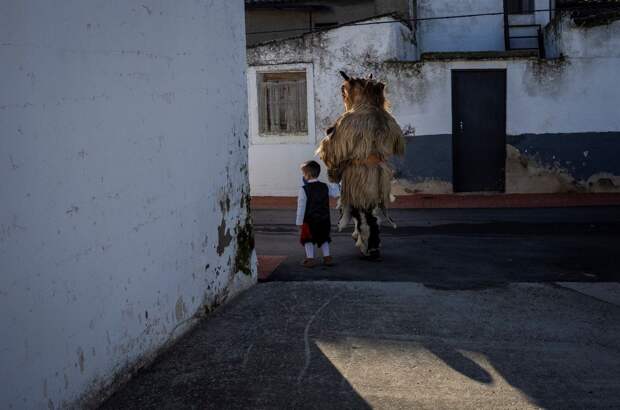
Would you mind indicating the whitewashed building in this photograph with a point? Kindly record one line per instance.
(516, 99)
(124, 189)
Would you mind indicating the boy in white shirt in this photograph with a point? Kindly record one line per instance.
(313, 214)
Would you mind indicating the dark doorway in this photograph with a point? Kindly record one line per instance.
(479, 130)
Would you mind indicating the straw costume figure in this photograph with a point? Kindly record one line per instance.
(355, 151)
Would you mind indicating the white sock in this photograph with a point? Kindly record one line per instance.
(325, 249)
(309, 247)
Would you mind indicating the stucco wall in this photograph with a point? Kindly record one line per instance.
(274, 167)
(565, 38)
(123, 202)
(262, 24)
(474, 33)
(562, 121)
(481, 33)
(274, 18)
(562, 124)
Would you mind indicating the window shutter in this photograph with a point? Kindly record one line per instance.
(283, 105)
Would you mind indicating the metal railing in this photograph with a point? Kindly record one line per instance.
(508, 37)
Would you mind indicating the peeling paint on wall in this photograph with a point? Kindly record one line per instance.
(224, 237)
(426, 186)
(526, 174)
(556, 108)
(245, 240)
(603, 182)
(109, 219)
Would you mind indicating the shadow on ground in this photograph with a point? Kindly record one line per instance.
(463, 249)
(447, 321)
(391, 345)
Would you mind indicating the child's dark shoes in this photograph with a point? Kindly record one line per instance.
(308, 263)
(328, 261)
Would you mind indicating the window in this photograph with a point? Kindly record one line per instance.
(282, 103)
(520, 6)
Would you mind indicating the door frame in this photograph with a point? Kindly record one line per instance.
(454, 97)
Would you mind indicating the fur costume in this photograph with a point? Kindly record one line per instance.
(356, 150)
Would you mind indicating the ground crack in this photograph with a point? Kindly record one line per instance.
(308, 354)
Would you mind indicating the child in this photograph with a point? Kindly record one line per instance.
(313, 213)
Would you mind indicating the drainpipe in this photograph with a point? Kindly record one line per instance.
(541, 43)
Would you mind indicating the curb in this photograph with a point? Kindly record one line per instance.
(428, 201)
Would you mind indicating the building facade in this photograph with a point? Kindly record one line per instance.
(499, 102)
(124, 194)
(276, 19)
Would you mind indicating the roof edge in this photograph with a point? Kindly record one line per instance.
(394, 16)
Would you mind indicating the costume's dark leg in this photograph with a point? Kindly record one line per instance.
(360, 232)
(374, 241)
(355, 215)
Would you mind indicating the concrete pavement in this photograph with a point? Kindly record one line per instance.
(391, 346)
(463, 248)
(471, 309)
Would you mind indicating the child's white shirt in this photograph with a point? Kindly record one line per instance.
(302, 199)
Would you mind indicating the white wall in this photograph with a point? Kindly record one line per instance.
(542, 96)
(477, 33)
(123, 150)
(565, 38)
(274, 167)
(481, 33)
(563, 96)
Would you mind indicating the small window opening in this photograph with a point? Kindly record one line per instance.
(520, 6)
(282, 103)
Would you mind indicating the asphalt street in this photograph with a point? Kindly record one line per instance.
(471, 309)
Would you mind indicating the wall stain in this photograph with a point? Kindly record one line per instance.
(545, 77)
(245, 240)
(224, 237)
(527, 174)
(180, 310)
(431, 186)
(80, 354)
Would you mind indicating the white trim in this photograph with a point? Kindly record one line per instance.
(255, 138)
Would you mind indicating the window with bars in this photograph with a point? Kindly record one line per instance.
(282, 103)
(520, 6)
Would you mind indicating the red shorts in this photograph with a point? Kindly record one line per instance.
(304, 234)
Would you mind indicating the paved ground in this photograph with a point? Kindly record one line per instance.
(393, 346)
(471, 335)
(463, 248)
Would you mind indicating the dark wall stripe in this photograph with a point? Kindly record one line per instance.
(582, 154)
(426, 156)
